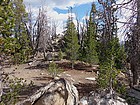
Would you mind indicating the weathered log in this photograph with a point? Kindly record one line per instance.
(57, 92)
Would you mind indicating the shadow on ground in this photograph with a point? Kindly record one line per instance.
(66, 66)
(43, 78)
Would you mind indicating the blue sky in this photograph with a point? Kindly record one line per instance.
(57, 10)
(79, 10)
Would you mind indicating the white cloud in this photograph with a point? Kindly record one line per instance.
(64, 4)
(85, 17)
(50, 4)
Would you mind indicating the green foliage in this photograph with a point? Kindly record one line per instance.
(120, 59)
(131, 100)
(23, 49)
(6, 18)
(53, 69)
(120, 88)
(71, 42)
(111, 63)
(112, 49)
(111, 54)
(12, 91)
(108, 78)
(108, 75)
(18, 53)
(10, 46)
(13, 31)
(89, 51)
(60, 55)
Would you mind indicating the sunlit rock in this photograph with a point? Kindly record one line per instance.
(57, 92)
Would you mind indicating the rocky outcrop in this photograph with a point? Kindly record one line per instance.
(102, 99)
(57, 92)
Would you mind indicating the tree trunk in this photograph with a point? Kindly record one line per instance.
(135, 63)
(72, 64)
(134, 71)
(138, 41)
(44, 54)
(1, 88)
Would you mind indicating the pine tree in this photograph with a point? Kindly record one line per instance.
(6, 18)
(71, 41)
(90, 43)
(16, 43)
(110, 50)
(22, 47)
(6, 26)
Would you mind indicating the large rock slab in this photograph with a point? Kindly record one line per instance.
(57, 92)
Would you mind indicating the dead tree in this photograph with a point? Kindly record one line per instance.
(43, 30)
(54, 26)
(135, 60)
(57, 92)
(133, 39)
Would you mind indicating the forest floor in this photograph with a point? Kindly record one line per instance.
(39, 75)
(83, 76)
(37, 72)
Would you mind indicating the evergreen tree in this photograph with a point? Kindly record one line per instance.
(111, 56)
(13, 31)
(89, 49)
(6, 18)
(71, 41)
(6, 25)
(20, 34)
(111, 64)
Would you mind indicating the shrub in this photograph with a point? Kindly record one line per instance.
(53, 69)
(60, 55)
(12, 89)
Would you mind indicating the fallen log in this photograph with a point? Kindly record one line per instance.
(56, 92)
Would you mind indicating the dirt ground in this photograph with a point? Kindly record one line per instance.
(37, 72)
(39, 75)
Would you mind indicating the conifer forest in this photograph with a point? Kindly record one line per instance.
(93, 60)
